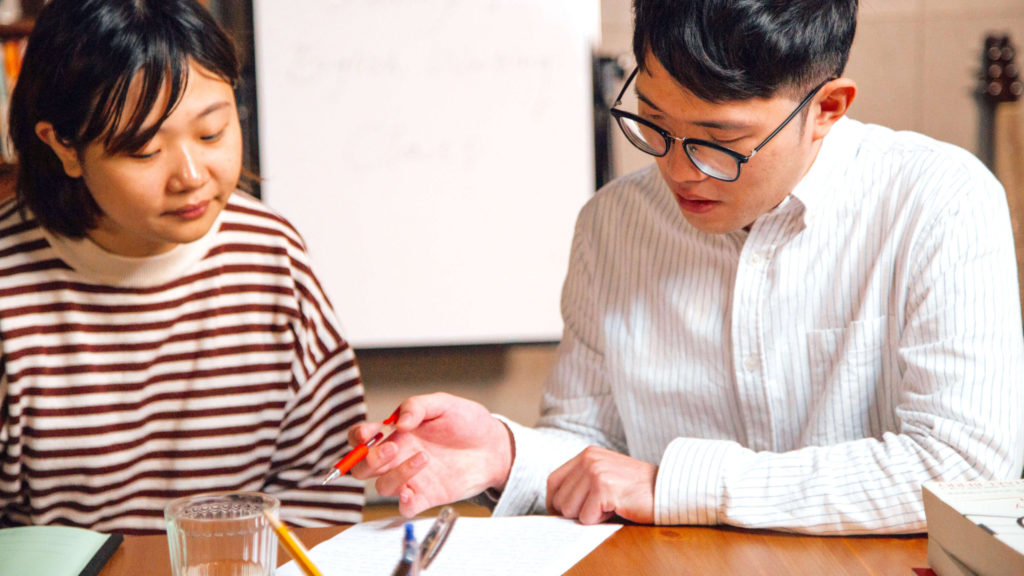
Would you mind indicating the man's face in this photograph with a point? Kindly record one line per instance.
(711, 205)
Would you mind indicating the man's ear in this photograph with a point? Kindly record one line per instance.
(833, 101)
(68, 156)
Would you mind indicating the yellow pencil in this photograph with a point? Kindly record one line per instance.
(295, 548)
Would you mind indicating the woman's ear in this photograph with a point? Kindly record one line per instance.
(68, 156)
(832, 103)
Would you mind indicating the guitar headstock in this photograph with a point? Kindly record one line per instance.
(1002, 82)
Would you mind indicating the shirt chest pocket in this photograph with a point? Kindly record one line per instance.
(846, 367)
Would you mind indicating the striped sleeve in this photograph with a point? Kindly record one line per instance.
(313, 436)
(328, 400)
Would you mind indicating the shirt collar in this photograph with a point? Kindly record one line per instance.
(817, 190)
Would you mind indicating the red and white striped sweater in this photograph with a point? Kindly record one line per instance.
(127, 382)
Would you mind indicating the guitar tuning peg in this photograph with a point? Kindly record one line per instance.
(1002, 81)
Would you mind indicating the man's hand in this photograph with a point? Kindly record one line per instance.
(444, 449)
(598, 484)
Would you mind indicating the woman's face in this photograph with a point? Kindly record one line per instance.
(172, 190)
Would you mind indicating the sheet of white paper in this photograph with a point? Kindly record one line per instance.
(534, 545)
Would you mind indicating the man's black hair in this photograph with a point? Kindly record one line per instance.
(729, 50)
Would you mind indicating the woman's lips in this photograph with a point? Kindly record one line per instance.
(191, 212)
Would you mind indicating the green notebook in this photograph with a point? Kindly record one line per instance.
(55, 550)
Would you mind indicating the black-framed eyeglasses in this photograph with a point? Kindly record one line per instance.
(712, 159)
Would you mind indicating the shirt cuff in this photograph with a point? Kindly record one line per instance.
(526, 487)
(688, 489)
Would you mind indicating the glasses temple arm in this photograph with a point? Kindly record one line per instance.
(803, 103)
(618, 99)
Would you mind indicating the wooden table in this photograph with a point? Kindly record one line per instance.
(654, 551)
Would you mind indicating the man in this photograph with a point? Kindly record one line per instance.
(791, 322)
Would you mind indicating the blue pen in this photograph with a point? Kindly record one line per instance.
(409, 565)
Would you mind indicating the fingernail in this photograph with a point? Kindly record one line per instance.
(420, 459)
(388, 450)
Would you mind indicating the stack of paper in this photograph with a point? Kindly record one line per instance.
(534, 545)
(975, 527)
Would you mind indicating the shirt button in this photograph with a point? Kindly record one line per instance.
(750, 363)
(755, 260)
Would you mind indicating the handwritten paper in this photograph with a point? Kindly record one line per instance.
(534, 545)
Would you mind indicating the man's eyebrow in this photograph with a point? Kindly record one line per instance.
(646, 100)
(710, 124)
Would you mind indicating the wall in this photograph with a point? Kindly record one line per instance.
(506, 379)
(918, 62)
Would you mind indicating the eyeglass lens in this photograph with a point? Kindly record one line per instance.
(711, 161)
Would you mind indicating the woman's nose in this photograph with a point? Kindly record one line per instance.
(187, 173)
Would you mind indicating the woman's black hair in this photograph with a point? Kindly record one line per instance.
(730, 50)
(79, 66)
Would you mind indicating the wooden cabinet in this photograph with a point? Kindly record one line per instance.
(8, 173)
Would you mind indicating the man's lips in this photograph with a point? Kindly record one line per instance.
(695, 204)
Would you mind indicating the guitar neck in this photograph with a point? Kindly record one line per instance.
(1002, 89)
(1008, 150)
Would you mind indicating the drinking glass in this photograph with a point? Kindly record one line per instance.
(222, 534)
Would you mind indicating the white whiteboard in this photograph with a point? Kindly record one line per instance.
(434, 155)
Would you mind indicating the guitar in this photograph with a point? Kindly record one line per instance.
(1002, 89)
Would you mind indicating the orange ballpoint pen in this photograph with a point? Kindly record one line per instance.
(356, 455)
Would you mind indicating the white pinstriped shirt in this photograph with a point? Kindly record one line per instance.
(864, 337)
